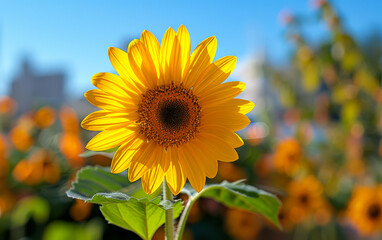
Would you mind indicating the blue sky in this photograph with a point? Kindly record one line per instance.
(74, 36)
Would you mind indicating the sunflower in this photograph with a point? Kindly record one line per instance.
(288, 156)
(168, 112)
(305, 198)
(243, 225)
(365, 209)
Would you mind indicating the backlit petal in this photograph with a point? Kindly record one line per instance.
(165, 55)
(152, 179)
(221, 93)
(223, 133)
(114, 85)
(174, 176)
(215, 74)
(108, 139)
(125, 153)
(191, 168)
(201, 58)
(228, 119)
(101, 120)
(140, 165)
(106, 101)
(185, 45)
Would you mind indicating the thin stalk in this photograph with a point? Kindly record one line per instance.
(183, 218)
(169, 224)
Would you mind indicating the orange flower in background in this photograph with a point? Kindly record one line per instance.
(305, 196)
(26, 121)
(7, 105)
(285, 216)
(41, 167)
(231, 172)
(44, 117)
(365, 209)
(69, 120)
(262, 166)
(4, 166)
(7, 201)
(71, 147)
(21, 139)
(288, 156)
(80, 210)
(70, 141)
(242, 225)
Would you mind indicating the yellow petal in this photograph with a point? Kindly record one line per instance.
(223, 133)
(114, 85)
(140, 165)
(234, 105)
(153, 49)
(191, 168)
(231, 120)
(175, 64)
(208, 164)
(120, 61)
(221, 93)
(165, 159)
(152, 179)
(102, 120)
(215, 74)
(165, 55)
(185, 46)
(174, 175)
(221, 150)
(108, 139)
(142, 64)
(201, 58)
(125, 153)
(106, 101)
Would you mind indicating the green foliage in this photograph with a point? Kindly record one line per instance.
(63, 230)
(239, 195)
(126, 205)
(33, 207)
(143, 216)
(122, 203)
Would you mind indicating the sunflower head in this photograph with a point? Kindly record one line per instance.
(304, 197)
(288, 156)
(365, 209)
(168, 111)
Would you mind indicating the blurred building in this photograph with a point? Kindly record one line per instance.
(31, 89)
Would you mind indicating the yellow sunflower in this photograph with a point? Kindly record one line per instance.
(305, 198)
(168, 111)
(288, 156)
(365, 209)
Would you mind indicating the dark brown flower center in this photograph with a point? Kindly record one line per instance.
(374, 211)
(169, 115)
(304, 199)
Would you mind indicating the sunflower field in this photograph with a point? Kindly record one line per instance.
(314, 148)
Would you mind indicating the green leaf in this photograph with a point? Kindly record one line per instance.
(123, 203)
(142, 216)
(239, 195)
(93, 180)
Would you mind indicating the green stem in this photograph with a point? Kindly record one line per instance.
(169, 224)
(183, 218)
